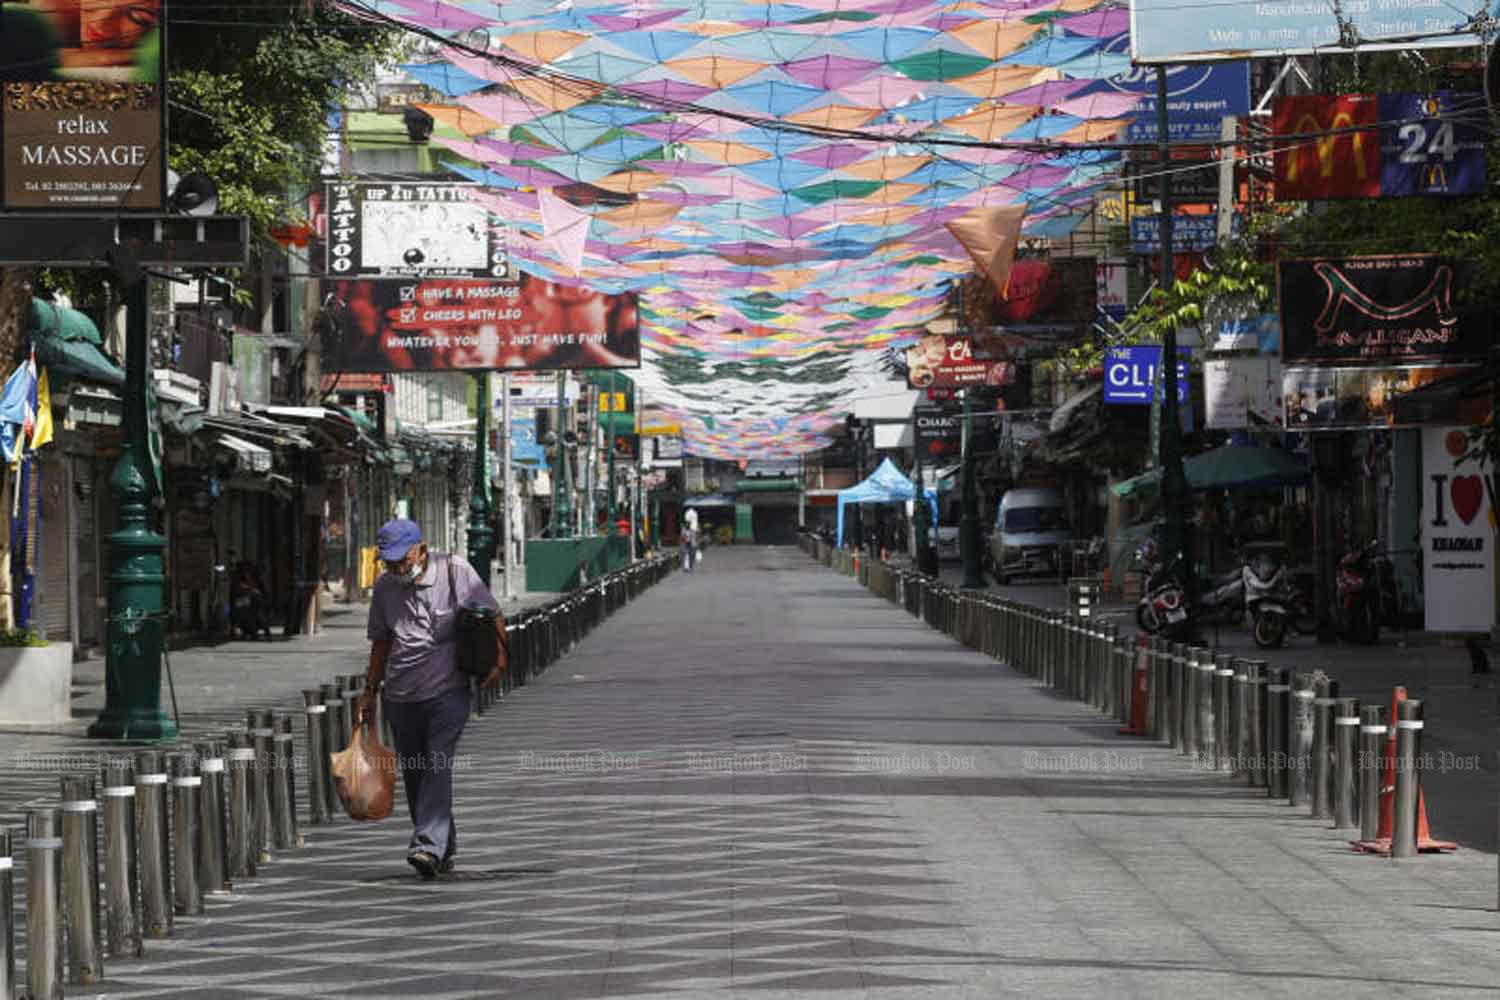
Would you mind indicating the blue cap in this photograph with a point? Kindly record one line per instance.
(396, 539)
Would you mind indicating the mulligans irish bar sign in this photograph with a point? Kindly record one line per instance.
(1391, 309)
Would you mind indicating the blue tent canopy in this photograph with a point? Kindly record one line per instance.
(886, 484)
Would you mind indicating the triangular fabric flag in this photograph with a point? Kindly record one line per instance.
(42, 433)
(565, 227)
(991, 236)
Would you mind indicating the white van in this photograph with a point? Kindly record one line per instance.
(1030, 529)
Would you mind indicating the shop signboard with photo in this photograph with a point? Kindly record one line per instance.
(443, 324)
(1242, 393)
(82, 121)
(412, 229)
(1378, 309)
(1458, 535)
(1340, 399)
(939, 433)
(942, 362)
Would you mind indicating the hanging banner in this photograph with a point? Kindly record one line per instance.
(82, 119)
(936, 361)
(442, 324)
(1458, 535)
(1329, 399)
(413, 229)
(1243, 393)
(1379, 145)
(1398, 308)
(1168, 31)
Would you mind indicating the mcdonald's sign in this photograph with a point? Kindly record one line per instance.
(1341, 156)
(1379, 145)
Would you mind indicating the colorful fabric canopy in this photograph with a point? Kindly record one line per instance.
(776, 180)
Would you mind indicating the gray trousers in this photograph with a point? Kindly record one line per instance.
(426, 734)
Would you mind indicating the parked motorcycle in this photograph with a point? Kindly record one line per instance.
(1274, 603)
(1367, 594)
(1163, 604)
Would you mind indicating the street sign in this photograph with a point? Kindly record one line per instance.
(1128, 374)
(1189, 233)
(1194, 180)
(155, 240)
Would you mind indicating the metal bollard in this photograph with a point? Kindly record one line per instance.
(1372, 734)
(1206, 728)
(152, 841)
(213, 866)
(317, 758)
(283, 787)
(333, 738)
(1257, 770)
(1345, 762)
(1278, 705)
(258, 726)
(1408, 778)
(1239, 705)
(1174, 695)
(239, 760)
(80, 879)
(122, 908)
(1300, 729)
(187, 893)
(1156, 701)
(1190, 701)
(1325, 693)
(1223, 711)
(44, 933)
(8, 985)
(349, 687)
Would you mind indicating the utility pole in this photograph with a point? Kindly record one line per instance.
(920, 515)
(609, 436)
(1175, 542)
(481, 535)
(506, 497)
(132, 673)
(968, 522)
(562, 499)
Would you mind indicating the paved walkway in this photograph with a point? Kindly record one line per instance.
(761, 781)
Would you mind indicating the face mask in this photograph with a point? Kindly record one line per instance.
(413, 574)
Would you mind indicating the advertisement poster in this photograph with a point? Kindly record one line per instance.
(1352, 398)
(1458, 535)
(1112, 288)
(937, 361)
(395, 229)
(939, 433)
(1429, 145)
(1167, 31)
(1377, 309)
(524, 447)
(1194, 233)
(1199, 97)
(81, 122)
(1243, 393)
(443, 324)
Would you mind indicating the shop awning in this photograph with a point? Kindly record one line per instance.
(1229, 468)
(765, 485)
(709, 500)
(251, 457)
(68, 343)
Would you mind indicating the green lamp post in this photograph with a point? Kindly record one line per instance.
(481, 534)
(132, 672)
(968, 522)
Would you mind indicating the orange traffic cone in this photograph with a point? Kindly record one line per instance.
(1382, 842)
(1140, 690)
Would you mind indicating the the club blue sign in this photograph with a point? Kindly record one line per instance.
(1129, 374)
(1169, 31)
(1198, 97)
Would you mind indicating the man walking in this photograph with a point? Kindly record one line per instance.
(413, 631)
(689, 539)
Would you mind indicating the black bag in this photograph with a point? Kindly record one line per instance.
(478, 638)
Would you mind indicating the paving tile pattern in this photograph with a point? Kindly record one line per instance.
(762, 782)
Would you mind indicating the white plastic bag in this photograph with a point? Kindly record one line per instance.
(699, 558)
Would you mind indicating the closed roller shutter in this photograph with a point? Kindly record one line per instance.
(55, 589)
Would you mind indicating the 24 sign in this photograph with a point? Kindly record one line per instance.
(1379, 145)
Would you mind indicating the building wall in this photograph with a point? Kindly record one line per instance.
(422, 399)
